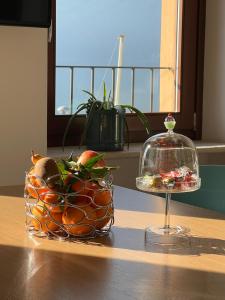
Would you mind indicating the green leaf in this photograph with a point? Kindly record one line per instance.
(98, 173)
(88, 122)
(62, 168)
(109, 96)
(92, 161)
(104, 92)
(70, 122)
(90, 94)
(101, 172)
(143, 119)
(73, 180)
(108, 168)
(82, 104)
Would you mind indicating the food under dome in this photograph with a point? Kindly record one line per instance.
(168, 163)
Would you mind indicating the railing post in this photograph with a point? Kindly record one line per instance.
(132, 84)
(152, 89)
(71, 89)
(92, 80)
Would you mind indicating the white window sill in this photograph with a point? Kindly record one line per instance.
(134, 150)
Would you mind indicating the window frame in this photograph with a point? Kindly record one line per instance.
(189, 119)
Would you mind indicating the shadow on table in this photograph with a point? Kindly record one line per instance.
(40, 274)
(134, 239)
(14, 191)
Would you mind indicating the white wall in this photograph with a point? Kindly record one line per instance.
(23, 99)
(214, 77)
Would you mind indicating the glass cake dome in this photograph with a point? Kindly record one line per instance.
(168, 163)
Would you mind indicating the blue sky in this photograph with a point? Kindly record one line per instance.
(87, 32)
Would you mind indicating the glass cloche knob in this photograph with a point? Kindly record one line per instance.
(169, 122)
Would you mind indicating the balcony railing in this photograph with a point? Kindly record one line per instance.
(73, 69)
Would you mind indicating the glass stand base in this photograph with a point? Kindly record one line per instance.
(168, 236)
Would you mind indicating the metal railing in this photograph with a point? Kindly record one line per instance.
(132, 69)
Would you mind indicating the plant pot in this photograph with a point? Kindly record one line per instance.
(106, 130)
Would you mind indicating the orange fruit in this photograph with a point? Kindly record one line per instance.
(67, 179)
(82, 199)
(80, 220)
(81, 187)
(105, 214)
(33, 179)
(32, 186)
(52, 202)
(43, 220)
(102, 197)
(35, 192)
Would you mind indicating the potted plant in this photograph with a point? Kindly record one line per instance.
(105, 123)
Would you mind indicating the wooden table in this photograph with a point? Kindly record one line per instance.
(117, 267)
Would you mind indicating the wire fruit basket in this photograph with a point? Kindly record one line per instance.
(55, 214)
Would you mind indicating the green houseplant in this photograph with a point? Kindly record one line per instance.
(105, 123)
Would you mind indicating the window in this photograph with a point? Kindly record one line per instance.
(181, 50)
